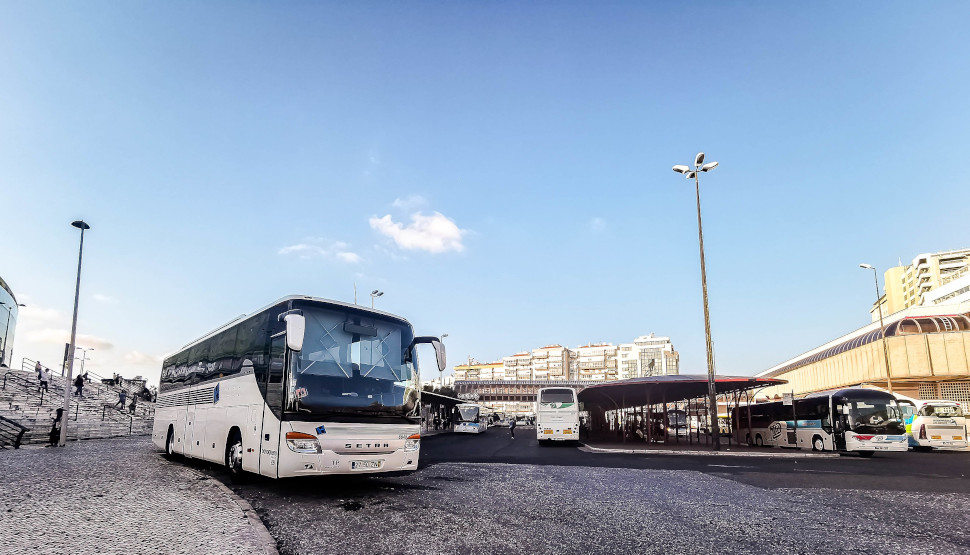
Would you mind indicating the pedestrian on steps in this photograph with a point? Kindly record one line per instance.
(79, 385)
(122, 397)
(134, 402)
(43, 377)
(512, 427)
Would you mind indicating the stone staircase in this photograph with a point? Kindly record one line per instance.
(91, 416)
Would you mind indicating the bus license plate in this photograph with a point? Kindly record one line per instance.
(361, 465)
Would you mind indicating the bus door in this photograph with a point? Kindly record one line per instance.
(273, 409)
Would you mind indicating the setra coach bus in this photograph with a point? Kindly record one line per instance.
(855, 420)
(303, 387)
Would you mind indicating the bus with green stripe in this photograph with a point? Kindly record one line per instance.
(557, 415)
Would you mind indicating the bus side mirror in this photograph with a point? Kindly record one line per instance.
(295, 329)
(439, 349)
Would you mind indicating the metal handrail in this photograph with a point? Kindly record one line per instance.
(16, 435)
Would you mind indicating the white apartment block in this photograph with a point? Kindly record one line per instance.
(932, 279)
(647, 355)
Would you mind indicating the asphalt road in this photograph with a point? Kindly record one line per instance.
(493, 494)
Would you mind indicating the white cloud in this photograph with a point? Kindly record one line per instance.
(61, 336)
(322, 248)
(435, 233)
(103, 298)
(597, 224)
(35, 314)
(140, 358)
(411, 203)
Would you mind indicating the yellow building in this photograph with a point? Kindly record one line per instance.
(907, 286)
(479, 371)
(929, 357)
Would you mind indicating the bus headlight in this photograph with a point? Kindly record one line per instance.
(299, 442)
(412, 442)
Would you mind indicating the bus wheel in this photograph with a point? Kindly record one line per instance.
(234, 455)
(758, 441)
(170, 443)
(818, 444)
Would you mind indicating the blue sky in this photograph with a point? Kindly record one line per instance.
(500, 170)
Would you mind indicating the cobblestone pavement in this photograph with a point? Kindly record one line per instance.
(117, 496)
(519, 508)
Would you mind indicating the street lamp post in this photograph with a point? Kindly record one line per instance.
(373, 294)
(699, 167)
(70, 356)
(84, 356)
(882, 327)
(3, 351)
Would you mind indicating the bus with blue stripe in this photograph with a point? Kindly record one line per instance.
(854, 420)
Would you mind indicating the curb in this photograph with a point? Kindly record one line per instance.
(778, 455)
(266, 542)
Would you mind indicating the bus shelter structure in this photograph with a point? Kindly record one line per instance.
(437, 411)
(668, 409)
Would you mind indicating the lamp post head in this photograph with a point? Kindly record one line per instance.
(376, 293)
(708, 166)
(867, 266)
(699, 159)
(691, 174)
(80, 224)
(679, 168)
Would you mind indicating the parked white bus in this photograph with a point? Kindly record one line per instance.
(934, 424)
(847, 420)
(468, 419)
(302, 387)
(557, 415)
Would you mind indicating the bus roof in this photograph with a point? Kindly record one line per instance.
(243, 317)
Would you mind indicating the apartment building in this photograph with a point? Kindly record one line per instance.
(932, 279)
(647, 355)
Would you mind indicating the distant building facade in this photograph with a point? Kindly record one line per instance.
(933, 279)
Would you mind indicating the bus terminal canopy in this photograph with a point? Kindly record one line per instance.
(638, 392)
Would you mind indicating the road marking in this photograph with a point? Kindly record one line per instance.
(731, 465)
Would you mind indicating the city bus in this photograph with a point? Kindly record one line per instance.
(302, 387)
(557, 415)
(934, 424)
(469, 420)
(855, 420)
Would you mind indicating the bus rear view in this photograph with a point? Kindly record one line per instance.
(557, 415)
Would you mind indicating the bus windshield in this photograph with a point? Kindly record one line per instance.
(352, 363)
(941, 411)
(873, 417)
(467, 413)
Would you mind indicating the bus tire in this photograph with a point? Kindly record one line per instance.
(758, 441)
(234, 452)
(817, 443)
(170, 443)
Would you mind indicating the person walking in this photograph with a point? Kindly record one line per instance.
(134, 402)
(122, 397)
(78, 386)
(512, 427)
(43, 377)
(55, 435)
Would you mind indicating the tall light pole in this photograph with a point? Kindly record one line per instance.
(699, 167)
(882, 327)
(373, 294)
(70, 356)
(3, 351)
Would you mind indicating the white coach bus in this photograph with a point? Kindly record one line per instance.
(468, 419)
(848, 420)
(302, 387)
(557, 415)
